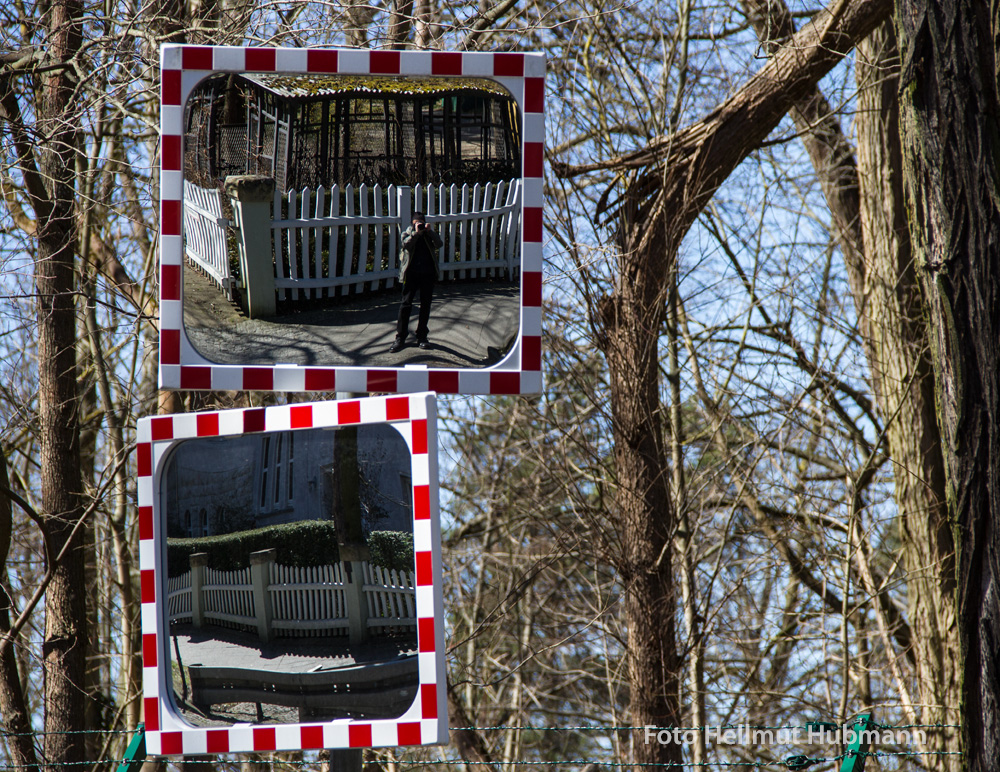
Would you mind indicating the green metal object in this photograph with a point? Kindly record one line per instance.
(857, 751)
(800, 762)
(135, 754)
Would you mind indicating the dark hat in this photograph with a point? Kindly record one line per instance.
(419, 216)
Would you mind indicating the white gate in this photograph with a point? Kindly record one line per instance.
(205, 240)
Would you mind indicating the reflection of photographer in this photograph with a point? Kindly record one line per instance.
(418, 270)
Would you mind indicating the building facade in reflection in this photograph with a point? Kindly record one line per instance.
(227, 484)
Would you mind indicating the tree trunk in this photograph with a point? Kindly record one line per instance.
(866, 203)
(64, 651)
(950, 126)
(671, 181)
(400, 24)
(899, 357)
(631, 320)
(13, 709)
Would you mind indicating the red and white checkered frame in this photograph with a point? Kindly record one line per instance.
(426, 721)
(182, 367)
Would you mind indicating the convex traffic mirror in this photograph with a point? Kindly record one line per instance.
(292, 178)
(291, 575)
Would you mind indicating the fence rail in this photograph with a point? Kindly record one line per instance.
(301, 601)
(370, 690)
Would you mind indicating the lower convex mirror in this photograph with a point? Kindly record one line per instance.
(290, 576)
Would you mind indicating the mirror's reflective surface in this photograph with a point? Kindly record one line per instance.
(289, 569)
(298, 193)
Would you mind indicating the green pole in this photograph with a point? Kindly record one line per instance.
(854, 759)
(135, 754)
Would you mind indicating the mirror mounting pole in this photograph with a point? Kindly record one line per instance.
(350, 533)
(345, 760)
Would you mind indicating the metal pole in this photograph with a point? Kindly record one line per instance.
(346, 760)
(135, 754)
(857, 751)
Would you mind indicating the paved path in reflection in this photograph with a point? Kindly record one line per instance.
(471, 324)
(229, 648)
(220, 647)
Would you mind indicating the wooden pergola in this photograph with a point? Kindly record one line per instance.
(311, 130)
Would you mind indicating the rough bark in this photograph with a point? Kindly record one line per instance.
(630, 323)
(13, 709)
(902, 374)
(468, 741)
(950, 125)
(400, 24)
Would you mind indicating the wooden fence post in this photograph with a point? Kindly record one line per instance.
(404, 209)
(354, 596)
(198, 562)
(344, 760)
(260, 570)
(252, 197)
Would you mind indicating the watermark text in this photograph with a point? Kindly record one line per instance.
(745, 734)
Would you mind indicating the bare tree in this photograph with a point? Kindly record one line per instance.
(670, 182)
(46, 160)
(692, 524)
(903, 380)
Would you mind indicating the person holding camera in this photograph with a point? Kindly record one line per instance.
(418, 270)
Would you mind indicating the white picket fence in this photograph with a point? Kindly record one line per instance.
(179, 597)
(391, 598)
(228, 598)
(347, 237)
(308, 601)
(479, 227)
(305, 601)
(334, 238)
(205, 235)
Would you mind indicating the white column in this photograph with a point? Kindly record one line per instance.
(252, 197)
(260, 569)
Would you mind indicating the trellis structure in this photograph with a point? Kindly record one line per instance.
(312, 130)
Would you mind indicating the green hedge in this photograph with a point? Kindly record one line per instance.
(304, 543)
(392, 549)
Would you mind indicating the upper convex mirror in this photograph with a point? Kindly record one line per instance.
(299, 238)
